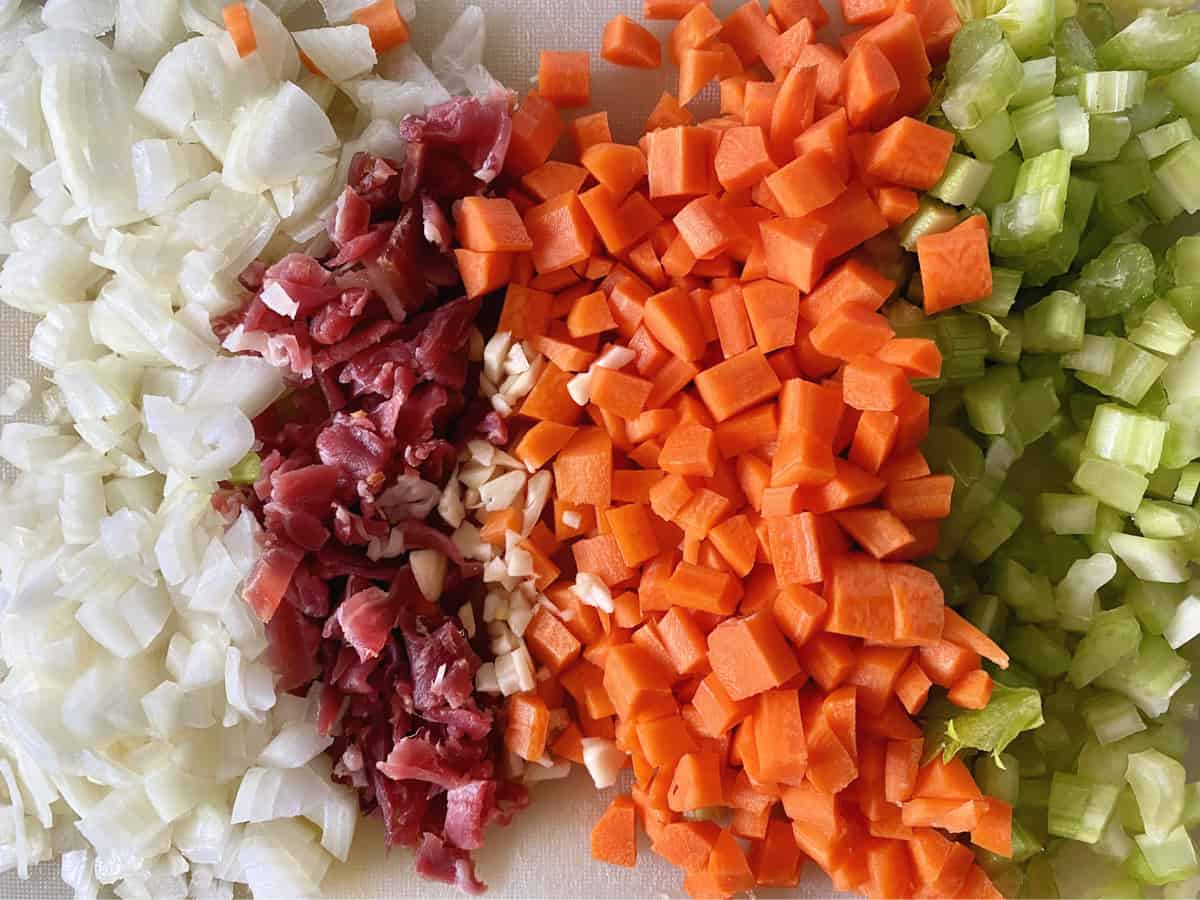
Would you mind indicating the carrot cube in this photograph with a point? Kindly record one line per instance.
(738, 383)
(799, 612)
(750, 655)
(706, 227)
(637, 684)
(807, 183)
(680, 161)
(561, 232)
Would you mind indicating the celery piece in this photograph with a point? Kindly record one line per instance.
(1150, 678)
(962, 180)
(1112, 717)
(1185, 624)
(1009, 712)
(999, 775)
(1074, 132)
(1036, 127)
(1182, 443)
(1116, 844)
(1162, 330)
(1111, 92)
(1097, 20)
(1106, 136)
(1035, 213)
(989, 400)
(1122, 180)
(1075, 596)
(1055, 324)
(1112, 638)
(1005, 284)
(247, 470)
(1004, 346)
(1155, 41)
(991, 138)
(1183, 89)
(1108, 762)
(1191, 805)
(1037, 81)
(1108, 522)
(1158, 783)
(1152, 559)
(1095, 355)
(1034, 409)
(988, 614)
(1111, 483)
(931, 217)
(1121, 435)
(982, 76)
(1134, 372)
(1162, 484)
(949, 451)
(1073, 50)
(987, 535)
(1162, 203)
(1030, 595)
(1184, 258)
(1079, 809)
(1159, 141)
(1037, 651)
(1170, 858)
(1000, 185)
(1180, 376)
(1155, 109)
(1186, 300)
(1025, 846)
(1028, 25)
(1067, 513)
(1179, 173)
(1154, 604)
(1120, 277)
(963, 341)
(1167, 521)
(1189, 481)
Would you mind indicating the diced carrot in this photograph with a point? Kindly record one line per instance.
(491, 225)
(549, 400)
(913, 414)
(869, 384)
(614, 836)
(696, 782)
(794, 251)
(550, 642)
(728, 867)
(807, 183)
(955, 816)
(782, 53)
(634, 485)
(945, 663)
(626, 43)
(776, 860)
(734, 539)
(938, 22)
(972, 691)
(779, 737)
(866, 12)
(773, 309)
(236, 17)
(899, 37)
(637, 684)
(589, 130)
(918, 606)
(707, 590)
(748, 31)
(583, 469)
(910, 153)
(590, 315)
(994, 831)
(687, 844)
(749, 655)
(903, 760)
(528, 726)
(671, 318)
(918, 357)
(912, 688)
(870, 82)
(482, 272)
(706, 226)
(621, 394)
(955, 266)
(383, 20)
(634, 533)
(795, 108)
(742, 158)
(696, 69)
(875, 530)
(536, 128)
(851, 331)
(668, 9)
(802, 458)
(564, 78)
(896, 203)
(684, 641)
(738, 383)
(859, 598)
(552, 178)
(697, 29)
(618, 167)
(946, 781)
(690, 449)
(959, 631)
(746, 431)
(561, 233)
(915, 499)
(667, 113)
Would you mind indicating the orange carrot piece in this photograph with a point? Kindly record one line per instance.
(903, 760)
(634, 533)
(773, 309)
(869, 384)
(727, 865)
(972, 691)
(738, 383)
(483, 273)
(619, 393)
(706, 226)
(909, 153)
(707, 590)
(748, 31)
(795, 108)
(687, 844)
(668, 9)
(383, 20)
(583, 469)
(794, 250)
(590, 315)
(614, 836)
(564, 78)
(945, 663)
(866, 12)
(961, 632)
(697, 29)
(671, 318)
(528, 726)
(690, 449)
(920, 498)
(955, 266)
(734, 539)
(684, 641)
(742, 158)
(589, 130)
(550, 642)
(776, 860)
(561, 232)
(859, 597)
(750, 655)
(491, 224)
(696, 782)
(807, 183)
(552, 178)
(851, 331)
(994, 831)
(536, 128)
(696, 69)
(782, 52)
(779, 737)
(748, 430)
(619, 167)
(236, 17)
(918, 357)
(626, 43)
(896, 203)
(875, 530)
(871, 84)
(637, 684)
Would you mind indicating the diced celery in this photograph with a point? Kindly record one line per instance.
(1134, 372)
(1112, 638)
(989, 400)
(1122, 180)
(1155, 41)
(1074, 133)
(1179, 173)
(1108, 762)
(1152, 559)
(987, 535)
(1075, 596)
(988, 614)
(1186, 300)
(1028, 25)
(1121, 435)
(992, 137)
(1097, 20)
(1162, 330)
(999, 776)
(1037, 651)
(1184, 257)
(1162, 485)
(1009, 712)
(1185, 624)
(1189, 481)
(247, 470)
(1158, 783)
(1037, 82)
(1183, 89)
(1171, 858)
(1004, 346)
(962, 180)
(1154, 604)
(1000, 185)
(1162, 203)
(1153, 110)
(1079, 809)
(1158, 141)
(1106, 136)
(1112, 717)
(1067, 513)
(1191, 805)
(1116, 844)
(1036, 127)
(1034, 409)
(1073, 49)
(1158, 519)
(1112, 484)
(1149, 679)
(1120, 277)
(1028, 594)
(1111, 92)
(1055, 324)
(1035, 213)
(963, 342)
(1005, 284)
(982, 76)
(1095, 355)
(931, 217)
(1182, 443)
(949, 451)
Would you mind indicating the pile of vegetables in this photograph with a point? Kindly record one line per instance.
(1067, 412)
